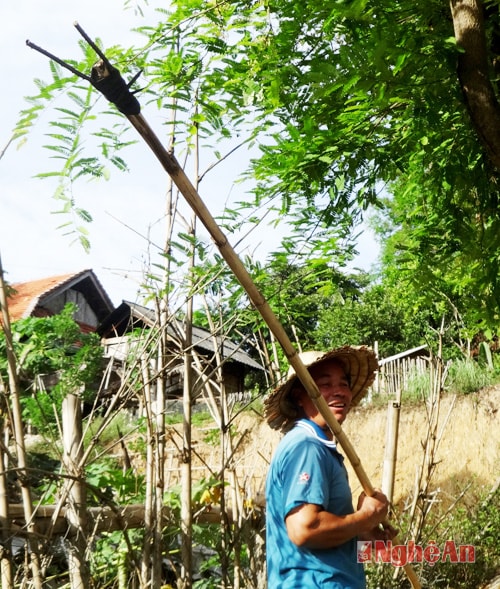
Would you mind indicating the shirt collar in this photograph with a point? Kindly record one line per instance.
(316, 431)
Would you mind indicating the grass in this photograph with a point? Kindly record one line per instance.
(468, 376)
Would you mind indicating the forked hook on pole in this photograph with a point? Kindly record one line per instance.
(107, 79)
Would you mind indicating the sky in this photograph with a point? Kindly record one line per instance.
(127, 209)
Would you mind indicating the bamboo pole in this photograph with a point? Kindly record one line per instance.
(78, 567)
(7, 579)
(172, 167)
(17, 426)
(178, 175)
(150, 482)
(186, 581)
(158, 414)
(391, 446)
(101, 519)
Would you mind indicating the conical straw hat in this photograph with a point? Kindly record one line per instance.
(360, 365)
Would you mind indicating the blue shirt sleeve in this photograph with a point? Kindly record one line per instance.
(306, 476)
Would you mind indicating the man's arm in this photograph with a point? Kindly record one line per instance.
(310, 526)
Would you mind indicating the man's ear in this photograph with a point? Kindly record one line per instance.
(297, 396)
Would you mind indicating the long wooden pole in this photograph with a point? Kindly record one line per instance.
(76, 513)
(391, 446)
(17, 426)
(179, 177)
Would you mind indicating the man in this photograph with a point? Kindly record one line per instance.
(312, 528)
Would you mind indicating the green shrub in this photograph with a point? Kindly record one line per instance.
(478, 526)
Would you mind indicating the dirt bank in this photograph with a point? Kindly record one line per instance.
(468, 449)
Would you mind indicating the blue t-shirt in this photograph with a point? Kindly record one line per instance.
(307, 468)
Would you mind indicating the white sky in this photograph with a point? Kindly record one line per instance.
(31, 245)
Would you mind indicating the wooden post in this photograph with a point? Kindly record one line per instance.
(77, 493)
(376, 382)
(391, 446)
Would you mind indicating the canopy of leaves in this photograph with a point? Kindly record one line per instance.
(52, 346)
(355, 104)
(370, 103)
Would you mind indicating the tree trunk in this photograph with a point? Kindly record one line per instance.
(474, 74)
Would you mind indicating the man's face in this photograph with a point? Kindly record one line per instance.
(334, 386)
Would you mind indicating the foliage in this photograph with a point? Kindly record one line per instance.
(375, 315)
(485, 357)
(103, 432)
(370, 103)
(478, 525)
(108, 482)
(52, 346)
(111, 556)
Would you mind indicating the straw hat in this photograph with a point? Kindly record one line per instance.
(360, 365)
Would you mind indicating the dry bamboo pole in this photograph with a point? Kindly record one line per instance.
(172, 167)
(158, 415)
(149, 495)
(225, 444)
(53, 520)
(186, 188)
(186, 580)
(391, 446)
(6, 578)
(17, 426)
(76, 514)
(108, 80)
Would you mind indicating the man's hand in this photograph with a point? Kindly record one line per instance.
(383, 532)
(375, 509)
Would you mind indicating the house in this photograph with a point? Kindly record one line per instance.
(119, 337)
(48, 296)
(95, 313)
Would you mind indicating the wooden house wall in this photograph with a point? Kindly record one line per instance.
(84, 313)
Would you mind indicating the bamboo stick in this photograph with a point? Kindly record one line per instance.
(78, 567)
(7, 579)
(17, 426)
(100, 519)
(391, 446)
(150, 482)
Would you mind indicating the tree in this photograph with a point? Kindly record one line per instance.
(53, 347)
(399, 98)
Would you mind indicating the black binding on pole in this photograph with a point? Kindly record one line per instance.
(104, 77)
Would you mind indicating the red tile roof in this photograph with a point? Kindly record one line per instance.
(26, 295)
